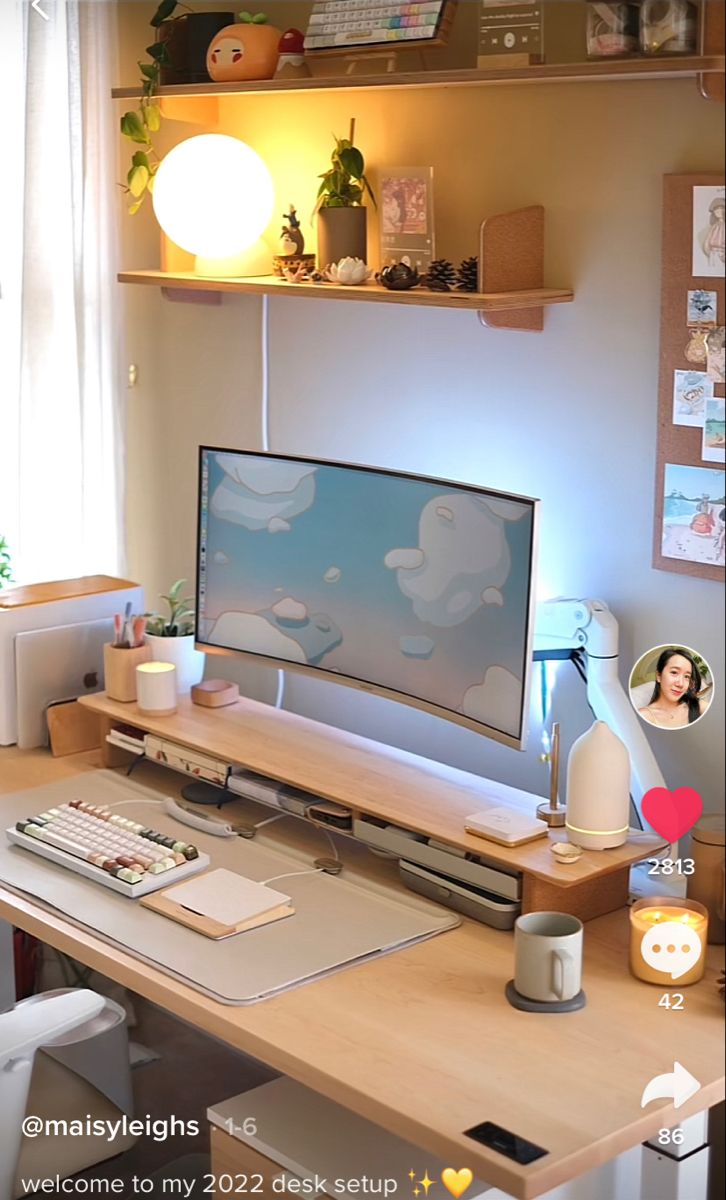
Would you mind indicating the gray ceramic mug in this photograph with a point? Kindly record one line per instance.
(548, 956)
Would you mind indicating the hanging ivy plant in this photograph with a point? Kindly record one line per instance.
(6, 573)
(141, 123)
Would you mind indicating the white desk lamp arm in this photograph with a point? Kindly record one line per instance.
(590, 626)
(22, 1031)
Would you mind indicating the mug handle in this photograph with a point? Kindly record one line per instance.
(564, 974)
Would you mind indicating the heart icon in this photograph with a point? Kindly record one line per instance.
(456, 1182)
(671, 814)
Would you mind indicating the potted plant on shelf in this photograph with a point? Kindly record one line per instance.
(6, 575)
(171, 637)
(339, 206)
(177, 56)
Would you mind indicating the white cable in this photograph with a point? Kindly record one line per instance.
(119, 803)
(280, 693)
(265, 373)
(269, 821)
(289, 875)
(331, 843)
(265, 426)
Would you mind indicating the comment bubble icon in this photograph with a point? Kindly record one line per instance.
(671, 948)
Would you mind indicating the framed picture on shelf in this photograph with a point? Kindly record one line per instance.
(510, 34)
(407, 215)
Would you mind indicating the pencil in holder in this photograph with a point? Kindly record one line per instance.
(119, 667)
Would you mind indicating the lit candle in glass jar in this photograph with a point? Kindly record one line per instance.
(668, 941)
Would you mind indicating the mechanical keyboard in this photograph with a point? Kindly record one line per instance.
(114, 851)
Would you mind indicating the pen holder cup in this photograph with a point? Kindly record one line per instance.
(119, 667)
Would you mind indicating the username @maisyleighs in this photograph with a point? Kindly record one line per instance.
(156, 1128)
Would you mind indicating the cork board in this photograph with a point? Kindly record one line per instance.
(680, 444)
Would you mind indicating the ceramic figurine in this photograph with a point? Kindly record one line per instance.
(291, 63)
(348, 271)
(292, 263)
(244, 51)
(292, 235)
(399, 276)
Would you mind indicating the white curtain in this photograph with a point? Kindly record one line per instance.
(61, 430)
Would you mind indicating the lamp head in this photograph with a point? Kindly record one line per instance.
(213, 196)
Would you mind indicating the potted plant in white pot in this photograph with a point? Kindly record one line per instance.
(171, 637)
(341, 214)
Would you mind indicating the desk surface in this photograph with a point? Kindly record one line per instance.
(423, 1043)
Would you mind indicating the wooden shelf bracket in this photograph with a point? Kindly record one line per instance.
(511, 259)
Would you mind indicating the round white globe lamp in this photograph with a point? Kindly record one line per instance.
(213, 197)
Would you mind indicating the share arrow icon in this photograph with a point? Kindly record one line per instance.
(678, 1086)
(36, 5)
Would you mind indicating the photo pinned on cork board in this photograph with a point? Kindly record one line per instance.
(701, 308)
(693, 514)
(715, 354)
(714, 430)
(709, 231)
(691, 390)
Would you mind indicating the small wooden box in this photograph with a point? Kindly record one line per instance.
(119, 667)
(215, 693)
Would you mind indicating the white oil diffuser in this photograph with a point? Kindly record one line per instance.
(598, 789)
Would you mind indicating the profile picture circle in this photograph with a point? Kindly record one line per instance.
(671, 686)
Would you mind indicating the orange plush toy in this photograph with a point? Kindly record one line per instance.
(248, 50)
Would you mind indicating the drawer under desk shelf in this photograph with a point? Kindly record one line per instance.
(374, 780)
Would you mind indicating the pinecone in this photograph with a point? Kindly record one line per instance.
(441, 276)
(467, 277)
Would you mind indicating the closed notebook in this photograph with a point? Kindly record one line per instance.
(221, 903)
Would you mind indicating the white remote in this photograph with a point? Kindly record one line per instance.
(208, 824)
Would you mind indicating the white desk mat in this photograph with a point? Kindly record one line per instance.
(336, 922)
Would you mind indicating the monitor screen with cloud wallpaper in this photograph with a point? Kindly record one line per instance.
(417, 588)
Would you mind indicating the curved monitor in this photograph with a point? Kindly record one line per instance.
(419, 589)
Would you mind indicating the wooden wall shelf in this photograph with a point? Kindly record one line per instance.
(271, 285)
(621, 71)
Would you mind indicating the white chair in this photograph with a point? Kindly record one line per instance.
(22, 1031)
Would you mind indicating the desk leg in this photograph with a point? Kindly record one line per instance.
(7, 967)
(678, 1172)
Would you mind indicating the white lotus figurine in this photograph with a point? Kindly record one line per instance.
(349, 271)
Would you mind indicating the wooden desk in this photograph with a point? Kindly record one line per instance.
(423, 1043)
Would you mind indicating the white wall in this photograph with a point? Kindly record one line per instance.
(568, 415)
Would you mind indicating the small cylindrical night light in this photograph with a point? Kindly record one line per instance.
(156, 688)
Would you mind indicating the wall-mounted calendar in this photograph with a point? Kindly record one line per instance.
(339, 25)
